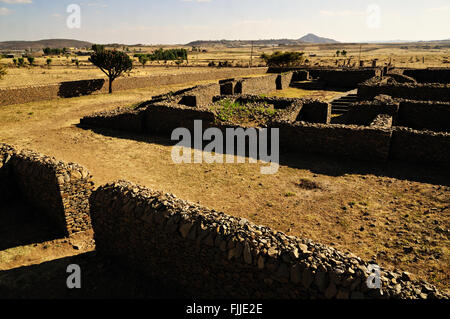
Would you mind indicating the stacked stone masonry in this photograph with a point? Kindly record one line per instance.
(411, 91)
(19, 95)
(59, 190)
(212, 255)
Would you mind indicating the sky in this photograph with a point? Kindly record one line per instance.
(182, 21)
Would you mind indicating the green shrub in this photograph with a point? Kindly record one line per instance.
(21, 62)
(283, 59)
(2, 71)
(30, 60)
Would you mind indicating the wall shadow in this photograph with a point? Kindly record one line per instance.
(79, 88)
(22, 224)
(320, 163)
(101, 278)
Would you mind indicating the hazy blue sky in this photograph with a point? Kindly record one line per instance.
(181, 21)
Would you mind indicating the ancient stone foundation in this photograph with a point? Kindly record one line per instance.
(59, 190)
(26, 94)
(410, 91)
(212, 255)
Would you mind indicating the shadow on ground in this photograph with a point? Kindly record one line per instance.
(101, 278)
(323, 164)
(22, 224)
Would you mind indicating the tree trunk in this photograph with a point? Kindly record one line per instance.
(110, 85)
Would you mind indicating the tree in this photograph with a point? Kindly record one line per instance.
(21, 62)
(30, 60)
(15, 62)
(49, 61)
(112, 63)
(2, 71)
(283, 59)
(344, 53)
(338, 53)
(98, 48)
(143, 59)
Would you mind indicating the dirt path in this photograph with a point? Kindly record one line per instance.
(395, 214)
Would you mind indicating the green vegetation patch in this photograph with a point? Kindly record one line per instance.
(230, 111)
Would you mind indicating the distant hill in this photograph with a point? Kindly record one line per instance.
(38, 45)
(309, 38)
(312, 38)
(240, 43)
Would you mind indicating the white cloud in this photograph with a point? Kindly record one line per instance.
(5, 12)
(17, 1)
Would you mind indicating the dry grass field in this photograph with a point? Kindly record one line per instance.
(395, 214)
(413, 55)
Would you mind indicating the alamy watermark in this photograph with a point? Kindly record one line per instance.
(236, 146)
(373, 16)
(74, 19)
(374, 280)
(74, 279)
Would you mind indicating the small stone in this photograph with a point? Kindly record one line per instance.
(261, 262)
(282, 272)
(247, 254)
(296, 275)
(406, 276)
(184, 229)
(272, 252)
(304, 249)
(307, 278)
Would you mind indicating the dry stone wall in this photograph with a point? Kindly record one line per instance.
(411, 91)
(333, 77)
(425, 115)
(256, 85)
(420, 146)
(314, 111)
(212, 255)
(364, 112)
(434, 75)
(284, 80)
(358, 142)
(59, 190)
(19, 95)
(7, 187)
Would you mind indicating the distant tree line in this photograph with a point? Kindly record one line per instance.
(165, 55)
(55, 51)
(283, 59)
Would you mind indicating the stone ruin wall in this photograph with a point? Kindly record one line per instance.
(410, 91)
(212, 255)
(206, 253)
(420, 146)
(332, 77)
(59, 190)
(351, 141)
(425, 115)
(433, 75)
(304, 126)
(19, 95)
